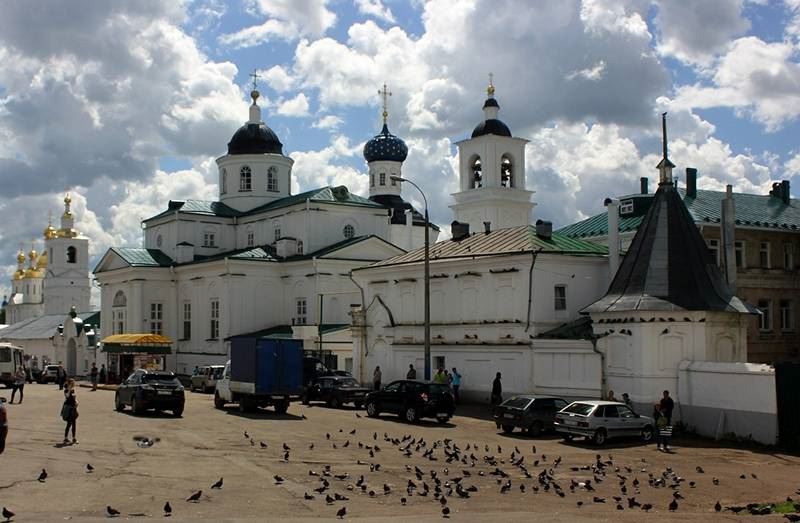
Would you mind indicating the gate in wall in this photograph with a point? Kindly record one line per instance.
(787, 390)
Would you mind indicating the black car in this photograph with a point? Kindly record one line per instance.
(335, 391)
(533, 414)
(412, 400)
(145, 389)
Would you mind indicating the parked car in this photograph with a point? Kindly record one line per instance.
(533, 414)
(602, 420)
(335, 391)
(49, 374)
(206, 379)
(145, 389)
(412, 400)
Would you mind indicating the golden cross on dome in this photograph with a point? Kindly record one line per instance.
(386, 94)
(490, 89)
(255, 76)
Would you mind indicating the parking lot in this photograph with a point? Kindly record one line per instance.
(193, 452)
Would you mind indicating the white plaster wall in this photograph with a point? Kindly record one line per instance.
(721, 386)
(568, 368)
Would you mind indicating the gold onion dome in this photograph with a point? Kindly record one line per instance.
(49, 232)
(21, 257)
(41, 261)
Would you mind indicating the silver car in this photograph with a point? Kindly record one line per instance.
(206, 379)
(601, 420)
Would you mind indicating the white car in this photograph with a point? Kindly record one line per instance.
(206, 379)
(601, 420)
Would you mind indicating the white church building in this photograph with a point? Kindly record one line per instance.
(259, 259)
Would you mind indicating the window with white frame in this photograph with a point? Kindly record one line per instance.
(763, 255)
(272, 179)
(626, 207)
(251, 238)
(788, 256)
(214, 319)
(560, 293)
(245, 179)
(739, 247)
(187, 320)
(383, 178)
(765, 307)
(301, 311)
(277, 233)
(349, 231)
(209, 239)
(299, 246)
(156, 318)
(119, 321)
(787, 322)
(713, 247)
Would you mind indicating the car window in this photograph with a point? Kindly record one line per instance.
(348, 382)
(516, 402)
(438, 388)
(584, 409)
(393, 387)
(160, 378)
(625, 412)
(610, 411)
(543, 404)
(559, 403)
(218, 373)
(325, 384)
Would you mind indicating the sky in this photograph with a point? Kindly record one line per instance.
(126, 105)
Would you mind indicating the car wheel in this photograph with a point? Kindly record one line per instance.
(567, 437)
(178, 411)
(136, 406)
(411, 415)
(647, 434)
(599, 437)
(535, 429)
(281, 407)
(508, 429)
(118, 405)
(218, 402)
(334, 403)
(358, 404)
(372, 409)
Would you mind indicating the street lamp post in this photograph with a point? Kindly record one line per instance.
(427, 291)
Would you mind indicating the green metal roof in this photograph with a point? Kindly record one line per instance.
(283, 332)
(139, 257)
(752, 210)
(204, 207)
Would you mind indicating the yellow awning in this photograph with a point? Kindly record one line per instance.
(137, 339)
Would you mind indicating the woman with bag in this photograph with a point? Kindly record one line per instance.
(69, 411)
(18, 384)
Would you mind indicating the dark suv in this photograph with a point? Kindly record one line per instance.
(412, 400)
(335, 391)
(144, 389)
(530, 413)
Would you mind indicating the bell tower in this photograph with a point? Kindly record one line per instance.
(66, 283)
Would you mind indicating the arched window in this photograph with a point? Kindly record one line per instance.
(383, 178)
(372, 179)
(349, 231)
(506, 172)
(299, 246)
(245, 179)
(224, 182)
(72, 255)
(476, 173)
(120, 300)
(272, 179)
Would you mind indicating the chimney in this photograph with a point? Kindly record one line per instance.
(786, 195)
(544, 229)
(286, 247)
(691, 182)
(487, 227)
(643, 185)
(184, 252)
(612, 206)
(729, 238)
(459, 230)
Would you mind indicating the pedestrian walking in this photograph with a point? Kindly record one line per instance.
(61, 376)
(497, 390)
(376, 378)
(93, 374)
(663, 428)
(103, 374)
(69, 411)
(412, 372)
(440, 376)
(3, 424)
(455, 383)
(18, 384)
(666, 405)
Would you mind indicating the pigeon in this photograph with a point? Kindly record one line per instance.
(278, 479)
(717, 507)
(794, 518)
(699, 470)
(311, 447)
(112, 512)
(445, 512)
(246, 435)
(715, 481)
(89, 468)
(286, 447)
(195, 497)
(673, 505)
(403, 501)
(358, 415)
(217, 485)
(647, 507)
(579, 504)
(7, 514)
(167, 509)
(329, 500)
(341, 512)
(263, 445)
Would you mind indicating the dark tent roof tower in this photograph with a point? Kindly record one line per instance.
(668, 266)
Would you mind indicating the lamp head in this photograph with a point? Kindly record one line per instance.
(397, 178)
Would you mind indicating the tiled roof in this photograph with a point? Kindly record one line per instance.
(43, 327)
(501, 241)
(752, 210)
(203, 207)
(139, 257)
(283, 332)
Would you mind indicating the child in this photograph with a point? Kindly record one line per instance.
(664, 430)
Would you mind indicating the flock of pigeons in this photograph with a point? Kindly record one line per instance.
(463, 473)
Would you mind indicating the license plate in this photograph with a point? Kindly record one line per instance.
(359, 394)
(165, 392)
(508, 416)
(279, 397)
(441, 415)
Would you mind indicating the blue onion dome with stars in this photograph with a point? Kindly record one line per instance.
(385, 147)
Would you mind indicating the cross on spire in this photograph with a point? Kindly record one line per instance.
(664, 133)
(255, 76)
(386, 94)
(490, 89)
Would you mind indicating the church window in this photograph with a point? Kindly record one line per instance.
(224, 188)
(245, 179)
(120, 300)
(372, 179)
(72, 254)
(349, 231)
(272, 179)
(277, 234)
(118, 327)
(476, 173)
(156, 318)
(560, 292)
(506, 172)
(299, 246)
(214, 323)
(301, 311)
(394, 182)
(251, 238)
(383, 178)
(209, 239)
(187, 320)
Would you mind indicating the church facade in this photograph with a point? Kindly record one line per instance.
(259, 257)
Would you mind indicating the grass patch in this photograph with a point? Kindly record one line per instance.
(784, 507)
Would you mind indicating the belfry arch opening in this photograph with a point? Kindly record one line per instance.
(476, 172)
(506, 171)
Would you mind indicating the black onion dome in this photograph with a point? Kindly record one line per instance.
(385, 147)
(491, 102)
(255, 138)
(492, 126)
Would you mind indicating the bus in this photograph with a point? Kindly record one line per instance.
(11, 358)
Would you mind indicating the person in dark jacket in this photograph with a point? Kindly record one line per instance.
(69, 411)
(667, 405)
(497, 390)
(412, 372)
